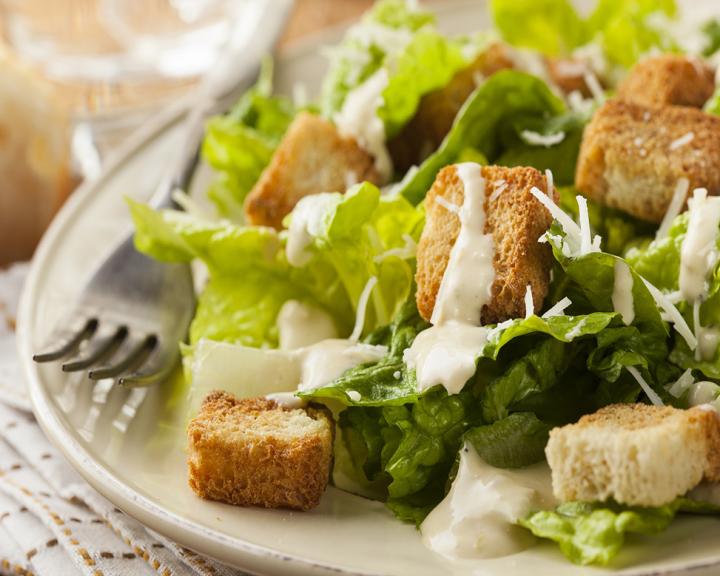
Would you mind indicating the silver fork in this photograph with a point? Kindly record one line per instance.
(134, 311)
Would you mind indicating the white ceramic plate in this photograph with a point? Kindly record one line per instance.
(130, 444)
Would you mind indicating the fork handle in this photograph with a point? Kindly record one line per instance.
(235, 72)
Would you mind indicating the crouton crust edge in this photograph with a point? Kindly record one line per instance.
(515, 218)
(239, 453)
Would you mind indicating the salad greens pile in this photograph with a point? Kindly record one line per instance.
(571, 357)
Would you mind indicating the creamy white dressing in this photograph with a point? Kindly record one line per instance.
(358, 118)
(306, 223)
(708, 340)
(478, 518)
(323, 362)
(301, 324)
(287, 400)
(249, 372)
(445, 355)
(698, 253)
(703, 392)
(467, 282)
(622, 296)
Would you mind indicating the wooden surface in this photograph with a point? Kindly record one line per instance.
(312, 15)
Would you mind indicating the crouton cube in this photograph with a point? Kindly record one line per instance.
(254, 452)
(669, 79)
(516, 220)
(313, 157)
(438, 109)
(632, 157)
(636, 454)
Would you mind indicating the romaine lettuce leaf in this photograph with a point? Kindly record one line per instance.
(428, 63)
(711, 30)
(362, 235)
(550, 26)
(593, 533)
(359, 236)
(240, 144)
(498, 102)
(625, 29)
(659, 263)
(402, 39)
(517, 440)
(712, 106)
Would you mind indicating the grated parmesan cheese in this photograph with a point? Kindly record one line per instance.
(682, 141)
(529, 304)
(546, 140)
(362, 309)
(672, 314)
(676, 205)
(550, 181)
(449, 206)
(558, 309)
(651, 394)
(682, 384)
(594, 85)
(499, 187)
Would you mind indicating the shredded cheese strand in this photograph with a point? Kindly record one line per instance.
(362, 309)
(586, 245)
(529, 304)
(567, 223)
(678, 201)
(558, 308)
(673, 315)
(651, 394)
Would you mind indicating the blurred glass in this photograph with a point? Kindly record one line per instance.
(114, 62)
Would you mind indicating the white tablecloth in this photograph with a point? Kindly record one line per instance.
(51, 521)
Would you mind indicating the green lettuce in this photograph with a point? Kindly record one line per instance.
(403, 40)
(711, 30)
(593, 533)
(625, 29)
(490, 122)
(239, 145)
(358, 236)
(659, 262)
(712, 106)
(362, 235)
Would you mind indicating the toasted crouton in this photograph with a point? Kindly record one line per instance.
(636, 454)
(437, 110)
(632, 156)
(669, 79)
(253, 452)
(313, 157)
(515, 219)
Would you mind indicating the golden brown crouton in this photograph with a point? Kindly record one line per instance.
(313, 157)
(437, 110)
(516, 220)
(636, 454)
(253, 452)
(632, 156)
(669, 79)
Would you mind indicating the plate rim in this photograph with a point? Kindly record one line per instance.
(184, 531)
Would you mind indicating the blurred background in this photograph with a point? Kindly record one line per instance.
(77, 77)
